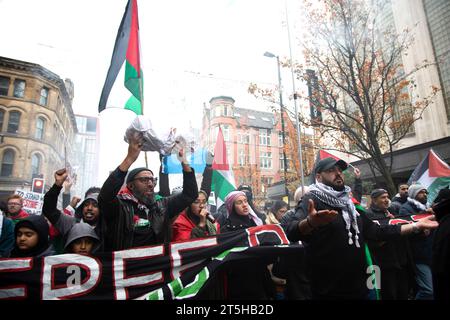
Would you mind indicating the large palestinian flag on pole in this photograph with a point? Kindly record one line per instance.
(433, 173)
(222, 178)
(126, 49)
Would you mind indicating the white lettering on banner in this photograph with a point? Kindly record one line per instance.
(175, 259)
(121, 283)
(15, 265)
(51, 263)
(374, 280)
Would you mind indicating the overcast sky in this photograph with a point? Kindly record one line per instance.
(191, 51)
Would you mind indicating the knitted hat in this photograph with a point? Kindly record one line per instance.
(134, 173)
(377, 192)
(414, 189)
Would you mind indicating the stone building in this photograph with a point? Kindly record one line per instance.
(37, 124)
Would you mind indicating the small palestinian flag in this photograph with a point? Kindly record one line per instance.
(433, 173)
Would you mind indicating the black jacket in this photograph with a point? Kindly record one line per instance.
(441, 258)
(421, 245)
(395, 254)
(118, 214)
(396, 204)
(338, 270)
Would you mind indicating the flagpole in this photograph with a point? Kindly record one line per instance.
(142, 109)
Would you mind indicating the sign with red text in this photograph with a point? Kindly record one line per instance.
(32, 201)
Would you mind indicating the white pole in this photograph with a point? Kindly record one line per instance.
(299, 141)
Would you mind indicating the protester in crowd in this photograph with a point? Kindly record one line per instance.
(193, 222)
(240, 214)
(440, 262)
(276, 212)
(222, 212)
(82, 239)
(421, 243)
(293, 268)
(15, 211)
(393, 257)
(250, 279)
(133, 214)
(88, 210)
(335, 233)
(6, 236)
(274, 215)
(32, 238)
(399, 199)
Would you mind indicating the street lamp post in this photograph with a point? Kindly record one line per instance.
(271, 55)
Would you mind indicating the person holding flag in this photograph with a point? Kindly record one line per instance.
(134, 215)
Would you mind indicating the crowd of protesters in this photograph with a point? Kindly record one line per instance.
(336, 231)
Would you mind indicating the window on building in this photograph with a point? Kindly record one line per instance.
(40, 124)
(2, 117)
(4, 86)
(7, 163)
(280, 139)
(14, 122)
(282, 162)
(243, 158)
(264, 137)
(244, 138)
(225, 110)
(43, 99)
(19, 88)
(226, 132)
(266, 181)
(35, 164)
(229, 155)
(91, 125)
(265, 159)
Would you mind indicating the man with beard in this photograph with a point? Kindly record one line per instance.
(88, 210)
(421, 243)
(399, 199)
(334, 233)
(393, 257)
(134, 215)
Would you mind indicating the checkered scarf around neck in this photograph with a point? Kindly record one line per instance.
(127, 195)
(341, 200)
(417, 204)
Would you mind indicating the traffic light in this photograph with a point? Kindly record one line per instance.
(38, 185)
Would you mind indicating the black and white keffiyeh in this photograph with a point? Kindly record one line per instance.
(341, 200)
(417, 204)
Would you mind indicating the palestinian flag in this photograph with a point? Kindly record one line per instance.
(324, 154)
(222, 178)
(433, 173)
(126, 49)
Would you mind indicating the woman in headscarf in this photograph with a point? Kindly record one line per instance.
(32, 238)
(240, 213)
(193, 222)
(248, 278)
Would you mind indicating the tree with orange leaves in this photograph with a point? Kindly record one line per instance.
(360, 86)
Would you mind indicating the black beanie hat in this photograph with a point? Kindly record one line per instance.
(134, 172)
